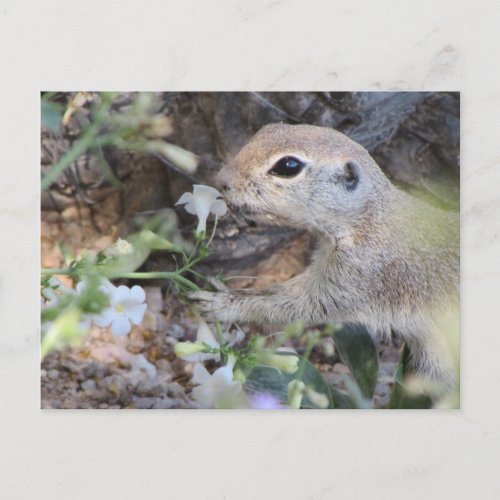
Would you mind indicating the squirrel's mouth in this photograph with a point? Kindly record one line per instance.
(253, 217)
(246, 212)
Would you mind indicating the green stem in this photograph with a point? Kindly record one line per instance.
(138, 276)
(213, 232)
(302, 365)
(156, 275)
(46, 271)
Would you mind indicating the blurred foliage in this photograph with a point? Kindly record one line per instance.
(357, 351)
(136, 127)
(267, 380)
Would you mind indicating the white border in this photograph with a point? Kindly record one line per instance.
(242, 45)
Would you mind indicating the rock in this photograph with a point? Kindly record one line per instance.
(53, 374)
(134, 378)
(111, 353)
(54, 403)
(88, 385)
(135, 342)
(176, 331)
(143, 403)
(141, 364)
(154, 321)
(151, 388)
(171, 340)
(164, 366)
(164, 404)
(115, 384)
(175, 390)
(154, 298)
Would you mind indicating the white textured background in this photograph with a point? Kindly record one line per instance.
(248, 45)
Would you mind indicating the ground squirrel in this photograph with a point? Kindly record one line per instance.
(383, 259)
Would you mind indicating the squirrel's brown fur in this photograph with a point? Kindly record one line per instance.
(384, 258)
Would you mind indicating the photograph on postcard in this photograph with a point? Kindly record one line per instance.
(250, 250)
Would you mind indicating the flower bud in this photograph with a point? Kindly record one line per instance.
(185, 160)
(160, 126)
(187, 348)
(286, 363)
(316, 398)
(295, 393)
(295, 329)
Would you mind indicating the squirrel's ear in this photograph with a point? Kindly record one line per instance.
(351, 175)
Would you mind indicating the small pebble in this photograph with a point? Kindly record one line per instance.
(88, 385)
(115, 384)
(176, 331)
(144, 403)
(151, 388)
(163, 404)
(175, 390)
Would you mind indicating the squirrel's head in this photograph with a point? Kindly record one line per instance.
(303, 176)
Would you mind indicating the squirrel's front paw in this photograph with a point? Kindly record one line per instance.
(215, 306)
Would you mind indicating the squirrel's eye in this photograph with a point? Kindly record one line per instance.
(351, 175)
(287, 167)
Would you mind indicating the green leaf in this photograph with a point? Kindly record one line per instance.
(51, 115)
(156, 242)
(143, 244)
(400, 398)
(267, 380)
(358, 351)
(357, 398)
(131, 261)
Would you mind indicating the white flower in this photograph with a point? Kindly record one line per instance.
(52, 295)
(53, 292)
(202, 201)
(105, 286)
(121, 247)
(193, 351)
(218, 390)
(126, 306)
